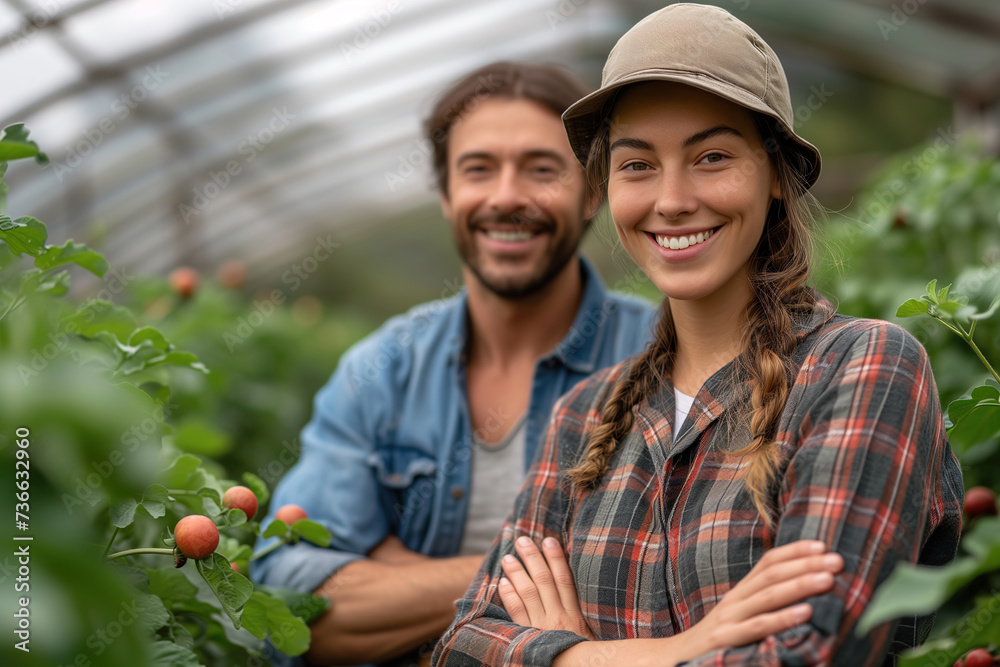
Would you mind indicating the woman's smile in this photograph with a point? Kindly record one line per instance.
(689, 189)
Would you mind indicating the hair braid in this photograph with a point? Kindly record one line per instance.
(644, 375)
(779, 271)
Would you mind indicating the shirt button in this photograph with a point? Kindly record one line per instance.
(395, 478)
(457, 493)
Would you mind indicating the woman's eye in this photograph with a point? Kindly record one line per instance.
(636, 166)
(714, 158)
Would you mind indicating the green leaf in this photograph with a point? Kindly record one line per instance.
(97, 316)
(24, 236)
(306, 606)
(3, 187)
(233, 550)
(988, 312)
(917, 590)
(154, 500)
(232, 588)
(177, 592)
(151, 613)
(199, 436)
(123, 512)
(257, 485)
(912, 307)
(288, 633)
(56, 285)
(169, 654)
(177, 474)
(72, 253)
(979, 627)
(312, 531)
(233, 518)
(182, 358)
(932, 291)
(206, 484)
(150, 334)
(974, 418)
(14, 145)
(276, 528)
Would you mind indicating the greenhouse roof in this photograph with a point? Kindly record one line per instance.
(191, 131)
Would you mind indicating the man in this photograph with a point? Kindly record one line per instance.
(420, 440)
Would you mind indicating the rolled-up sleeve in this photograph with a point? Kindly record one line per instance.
(333, 480)
(875, 478)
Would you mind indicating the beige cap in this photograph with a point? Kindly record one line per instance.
(701, 46)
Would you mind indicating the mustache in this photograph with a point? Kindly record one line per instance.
(516, 220)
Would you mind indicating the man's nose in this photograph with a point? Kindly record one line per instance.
(509, 195)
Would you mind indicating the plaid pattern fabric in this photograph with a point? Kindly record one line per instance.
(865, 467)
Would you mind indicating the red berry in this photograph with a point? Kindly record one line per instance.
(959, 663)
(236, 568)
(979, 657)
(290, 514)
(197, 536)
(184, 281)
(980, 500)
(232, 274)
(241, 498)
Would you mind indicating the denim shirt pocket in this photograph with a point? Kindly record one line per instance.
(407, 477)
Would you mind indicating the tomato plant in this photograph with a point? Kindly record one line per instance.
(86, 406)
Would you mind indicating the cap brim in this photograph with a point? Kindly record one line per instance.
(583, 119)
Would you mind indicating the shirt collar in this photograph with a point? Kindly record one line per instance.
(721, 391)
(579, 348)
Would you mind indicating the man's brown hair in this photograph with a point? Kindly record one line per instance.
(548, 85)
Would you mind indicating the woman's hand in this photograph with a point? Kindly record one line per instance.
(758, 606)
(544, 597)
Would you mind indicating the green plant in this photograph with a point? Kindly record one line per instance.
(972, 579)
(89, 387)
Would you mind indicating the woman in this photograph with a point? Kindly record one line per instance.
(758, 418)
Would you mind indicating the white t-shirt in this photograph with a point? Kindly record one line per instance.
(497, 473)
(683, 404)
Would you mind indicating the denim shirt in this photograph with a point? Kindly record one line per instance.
(389, 447)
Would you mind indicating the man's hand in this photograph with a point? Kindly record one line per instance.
(387, 604)
(544, 597)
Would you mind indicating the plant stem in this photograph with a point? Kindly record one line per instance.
(967, 337)
(958, 331)
(131, 552)
(983, 359)
(110, 542)
(268, 549)
(13, 304)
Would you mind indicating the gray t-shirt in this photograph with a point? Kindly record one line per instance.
(497, 473)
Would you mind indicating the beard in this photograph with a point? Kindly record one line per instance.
(558, 253)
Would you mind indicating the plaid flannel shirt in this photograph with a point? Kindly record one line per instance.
(865, 467)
